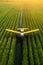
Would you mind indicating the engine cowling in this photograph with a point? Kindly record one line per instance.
(22, 34)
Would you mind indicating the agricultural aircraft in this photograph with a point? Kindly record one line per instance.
(22, 31)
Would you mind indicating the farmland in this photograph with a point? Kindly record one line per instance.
(30, 50)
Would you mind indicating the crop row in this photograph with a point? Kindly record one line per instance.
(32, 44)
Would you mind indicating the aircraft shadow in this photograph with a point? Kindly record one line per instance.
(19, 49)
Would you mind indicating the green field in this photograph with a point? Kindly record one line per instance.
(32, 47)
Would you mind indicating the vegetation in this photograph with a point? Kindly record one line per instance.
(32, 48)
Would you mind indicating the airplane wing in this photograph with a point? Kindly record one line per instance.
(13, 31)
(31, 31)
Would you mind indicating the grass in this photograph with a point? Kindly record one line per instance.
(32, 47)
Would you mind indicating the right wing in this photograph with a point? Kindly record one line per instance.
(13, 31)
(31, 31)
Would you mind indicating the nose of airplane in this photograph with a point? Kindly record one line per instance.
(22, 34)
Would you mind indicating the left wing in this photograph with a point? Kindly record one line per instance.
(13, 31)
(31, 31)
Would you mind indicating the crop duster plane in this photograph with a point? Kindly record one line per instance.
(22, 31)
